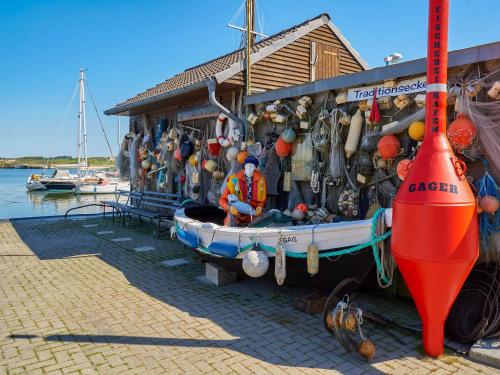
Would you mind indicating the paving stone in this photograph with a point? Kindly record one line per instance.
(142, 249)
(121, 239)
(105, 232)
(175, 262)
(487, 351)
(119, 312)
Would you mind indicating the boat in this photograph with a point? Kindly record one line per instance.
(62, 180)
(103, 186)
(347, 244)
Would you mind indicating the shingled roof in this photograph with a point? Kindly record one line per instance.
(226, 66)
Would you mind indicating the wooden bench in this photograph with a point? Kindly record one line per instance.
(147, 204)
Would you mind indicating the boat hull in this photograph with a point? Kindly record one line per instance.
(354, 264)
(332, 271)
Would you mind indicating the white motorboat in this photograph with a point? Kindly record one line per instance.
(104, 186)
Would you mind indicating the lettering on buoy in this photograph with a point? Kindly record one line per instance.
(433, 186)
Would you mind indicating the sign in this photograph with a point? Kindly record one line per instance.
(408, 86)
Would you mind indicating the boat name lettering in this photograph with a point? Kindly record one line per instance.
(433, 186)
(289, 239)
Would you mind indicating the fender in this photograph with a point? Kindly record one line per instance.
(233, 133)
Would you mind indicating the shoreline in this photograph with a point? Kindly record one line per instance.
(65, 166)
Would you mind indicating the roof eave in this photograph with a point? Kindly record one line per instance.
(121, 109)
(456, 58)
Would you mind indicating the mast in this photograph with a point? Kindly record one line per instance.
(84, 122)
(80, 123)
(251, 37)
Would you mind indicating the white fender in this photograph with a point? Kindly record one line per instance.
(351, 144)
(233, 133)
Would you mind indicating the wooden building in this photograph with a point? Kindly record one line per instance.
(313, 50)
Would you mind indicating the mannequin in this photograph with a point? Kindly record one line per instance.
(250, 187)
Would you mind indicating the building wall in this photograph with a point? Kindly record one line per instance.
(291, 65)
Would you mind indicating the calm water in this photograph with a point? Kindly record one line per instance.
(16, 202)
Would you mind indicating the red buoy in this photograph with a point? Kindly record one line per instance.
(435, 232)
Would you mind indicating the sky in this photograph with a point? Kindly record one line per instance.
(128, 46)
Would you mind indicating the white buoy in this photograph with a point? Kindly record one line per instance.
(255, 263)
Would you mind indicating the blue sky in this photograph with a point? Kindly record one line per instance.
(130, 45)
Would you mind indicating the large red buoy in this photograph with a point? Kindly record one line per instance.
(435, 233)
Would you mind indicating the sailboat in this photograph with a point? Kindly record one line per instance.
(62, 180)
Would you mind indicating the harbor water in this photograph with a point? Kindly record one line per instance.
(16, 202)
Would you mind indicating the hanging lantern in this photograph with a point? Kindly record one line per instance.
(403, 168)
(461, 132)
(177, 155)
(232, 153)
(388, 147)
(193, 160)
(282, 148)
(289, 135)
(489, 204)
(242, 156)
(416, 130)
(210, 166)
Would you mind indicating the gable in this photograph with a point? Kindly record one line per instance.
(293, 65)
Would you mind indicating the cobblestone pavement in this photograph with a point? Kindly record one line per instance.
(72, 301)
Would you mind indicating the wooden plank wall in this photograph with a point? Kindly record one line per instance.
(291, 64)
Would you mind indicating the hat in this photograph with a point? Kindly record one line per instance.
(252, 160)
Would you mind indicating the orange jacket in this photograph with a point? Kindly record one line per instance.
(237, 184)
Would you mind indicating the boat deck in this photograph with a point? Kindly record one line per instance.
(88, 296)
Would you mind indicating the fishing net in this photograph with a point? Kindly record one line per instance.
(485, 114)
(272, 172)
(134, 162)
(476, 311)
(302, 158)
(337, 155)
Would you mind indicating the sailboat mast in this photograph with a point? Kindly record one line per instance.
(84, 122)
(80, 122)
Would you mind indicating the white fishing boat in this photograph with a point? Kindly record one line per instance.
(344, 248)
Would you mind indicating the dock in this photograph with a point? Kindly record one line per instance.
(77, 300)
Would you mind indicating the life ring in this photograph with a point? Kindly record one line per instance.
(233, 133)
(126, 142)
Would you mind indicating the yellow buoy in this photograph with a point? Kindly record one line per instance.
(416, 130)
(193, 160)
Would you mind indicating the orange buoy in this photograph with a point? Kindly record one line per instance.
(388, 147)
(242, 156)
(282, 148)
(461, 132)
(177, 154)
(403, 168)
(435, 231)
(489, 204)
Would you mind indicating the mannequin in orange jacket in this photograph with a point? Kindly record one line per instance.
(250, 187)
